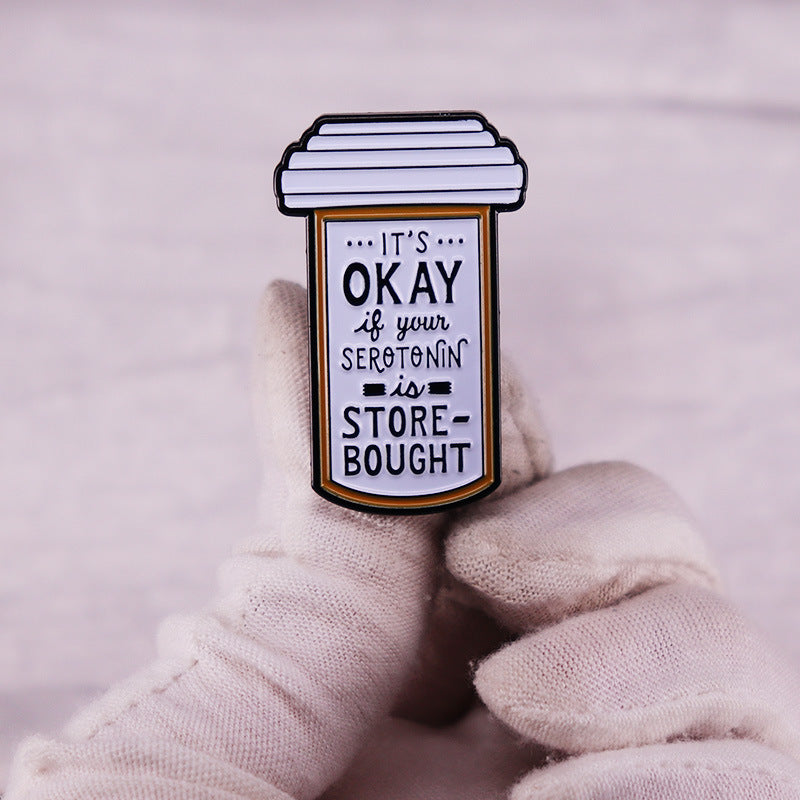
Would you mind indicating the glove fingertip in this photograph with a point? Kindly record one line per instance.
(280, 375)
(526, 451)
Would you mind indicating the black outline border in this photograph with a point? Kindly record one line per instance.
(313, 297)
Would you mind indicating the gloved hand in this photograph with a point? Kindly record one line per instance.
(271, 691)
(629, 658)
(632, 678)
(628, 675)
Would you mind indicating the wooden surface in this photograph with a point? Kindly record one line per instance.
(650, 286)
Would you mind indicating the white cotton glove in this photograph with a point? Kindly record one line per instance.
(271, 692)
(629, 662)
(627, 677)
(631, 677)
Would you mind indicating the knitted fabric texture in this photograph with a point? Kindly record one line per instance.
(609, 666)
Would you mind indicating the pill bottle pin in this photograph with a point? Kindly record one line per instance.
(401, 223)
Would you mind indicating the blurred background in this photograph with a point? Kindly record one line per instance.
(649, 286)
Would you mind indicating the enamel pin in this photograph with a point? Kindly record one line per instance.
(401, 213)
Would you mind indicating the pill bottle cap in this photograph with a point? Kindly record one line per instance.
(442, 158)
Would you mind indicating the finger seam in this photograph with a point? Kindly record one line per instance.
(159, 688)
(709, 575)
(547, 718)
(663, 705)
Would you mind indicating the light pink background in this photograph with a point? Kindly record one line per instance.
(650, 285)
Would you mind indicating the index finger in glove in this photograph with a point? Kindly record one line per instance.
(628, 644)
(578, 540)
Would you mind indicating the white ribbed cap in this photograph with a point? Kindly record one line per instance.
(399, 160)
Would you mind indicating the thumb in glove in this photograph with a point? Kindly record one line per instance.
(630, 661)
